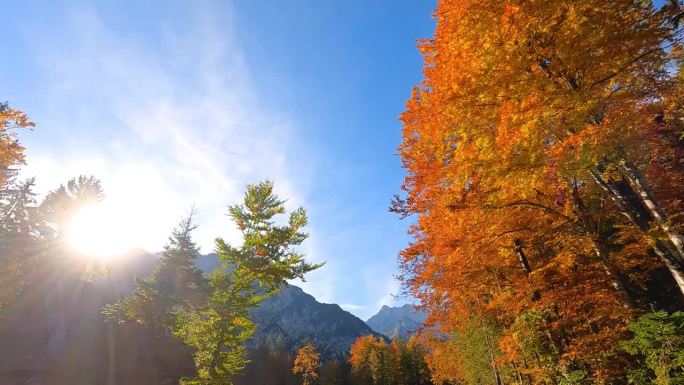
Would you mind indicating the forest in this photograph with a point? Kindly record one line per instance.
(543, 152)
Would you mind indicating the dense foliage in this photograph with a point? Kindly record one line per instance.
(544, 159)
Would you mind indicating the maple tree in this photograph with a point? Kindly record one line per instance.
(538, 201)
(306, 363)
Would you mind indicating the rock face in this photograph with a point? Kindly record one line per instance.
(293, 318)
(397, 321)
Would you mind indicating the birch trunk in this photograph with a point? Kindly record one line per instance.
(641, 187)
(617, 279)
(669, 259)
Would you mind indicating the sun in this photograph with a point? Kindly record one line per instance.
(97, 230)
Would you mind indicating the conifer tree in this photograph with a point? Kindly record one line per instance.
(21, 231)
(331, 374)
(175, 284)
(247, 275)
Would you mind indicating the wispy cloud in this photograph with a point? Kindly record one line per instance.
(166, 124)
(165, 112)
(391, 291)
(181, 123)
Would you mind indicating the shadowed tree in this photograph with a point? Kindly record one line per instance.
(175, 285)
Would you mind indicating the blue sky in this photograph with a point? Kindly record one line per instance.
(174, 103)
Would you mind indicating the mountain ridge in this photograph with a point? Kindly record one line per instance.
(393, 322)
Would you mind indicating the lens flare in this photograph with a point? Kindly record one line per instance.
(99, 232)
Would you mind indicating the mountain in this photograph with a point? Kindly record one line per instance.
(293, 317)
(397, 321)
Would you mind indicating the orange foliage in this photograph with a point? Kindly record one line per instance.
(520, 101)
(11, 153)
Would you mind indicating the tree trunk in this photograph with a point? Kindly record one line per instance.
(522, 257)
(670, 260)
(517, 244)
(492, 359)
(639, 184)
(616, 277)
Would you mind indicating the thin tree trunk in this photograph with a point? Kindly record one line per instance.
(617, 280)
(641, 187)
(620, 201)
(536, 294)
(522, 257)
(616, 277)
(492, 359)
(517, 373)
(661, 249)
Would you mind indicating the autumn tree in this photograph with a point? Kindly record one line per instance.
(400, 362)
(528, 175)
(247, 275)
(306, 364)
(11, 152)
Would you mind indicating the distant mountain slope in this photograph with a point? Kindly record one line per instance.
(207, 262)
(293, 318)
(396, 321)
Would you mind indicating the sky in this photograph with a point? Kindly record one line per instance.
(180, 103)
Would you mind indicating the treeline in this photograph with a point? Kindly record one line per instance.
(401, 362)
(544, 152)
(372, 361)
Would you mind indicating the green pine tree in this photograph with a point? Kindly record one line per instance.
(247, 275)
(175, 285)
